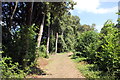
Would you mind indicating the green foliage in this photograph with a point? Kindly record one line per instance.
(91, 72)
(67, 30)
(85, 40)
(31, 45)
(52, 43)
(21, 55)
(27, 48)
(19, 37)
(76, 55)
(108, 56)
(102, 49)
(19, 42)
(42, 51)
(70, 41)
(107, 24)
(80, 59)
(10, 69)
(62, 45)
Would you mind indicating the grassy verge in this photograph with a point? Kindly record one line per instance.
(90, 71)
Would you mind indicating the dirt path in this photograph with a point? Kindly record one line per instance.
(61, 66)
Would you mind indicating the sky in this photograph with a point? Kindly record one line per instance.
(96, 11)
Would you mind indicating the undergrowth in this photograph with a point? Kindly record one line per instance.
(90, 71)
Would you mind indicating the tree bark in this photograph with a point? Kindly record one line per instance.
(40, 32)
(28, 22)
(56, 42)
(48, 40)
(29, 10)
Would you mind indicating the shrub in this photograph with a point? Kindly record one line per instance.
(42, 51)
(102, 50)
(10, 69)
(85, 40)
(108, 55)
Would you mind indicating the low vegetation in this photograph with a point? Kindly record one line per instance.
(101, 50)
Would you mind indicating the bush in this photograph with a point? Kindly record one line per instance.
(42, 51)
(85, 40)
(108, 55)
(103, 50)
(10, 69)
(22, 46)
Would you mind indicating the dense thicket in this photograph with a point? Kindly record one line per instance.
(101, 49)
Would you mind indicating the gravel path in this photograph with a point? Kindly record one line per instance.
(61, 66)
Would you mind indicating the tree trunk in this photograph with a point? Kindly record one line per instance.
(56, 42)
(48, 40)
(29, 10)
(40, 32)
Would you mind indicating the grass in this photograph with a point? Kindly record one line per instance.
(86, 70)
(90, 71)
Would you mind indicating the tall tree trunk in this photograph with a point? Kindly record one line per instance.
(56, 42)
(29, 13)
(29, 10)
(40, 32)
(48, 40)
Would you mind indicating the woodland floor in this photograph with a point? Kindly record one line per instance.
(58, 66)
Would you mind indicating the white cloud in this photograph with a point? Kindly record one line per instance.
(93, 6)
(106, 10)
(109, 0)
